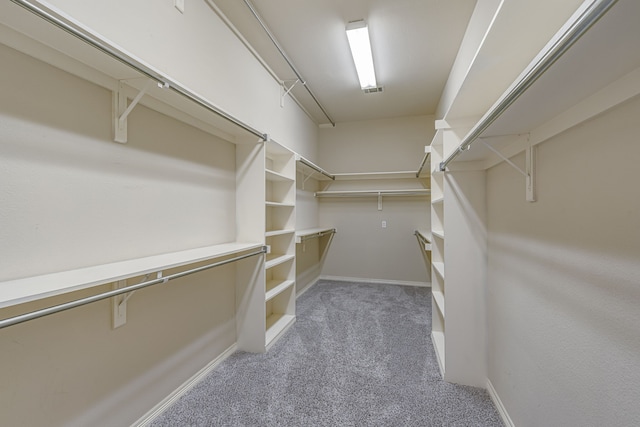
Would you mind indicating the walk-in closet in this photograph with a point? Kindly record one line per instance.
(210, 215)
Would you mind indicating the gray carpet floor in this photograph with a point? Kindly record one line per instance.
(358, 355)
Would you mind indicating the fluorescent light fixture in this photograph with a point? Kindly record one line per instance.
(358, 35)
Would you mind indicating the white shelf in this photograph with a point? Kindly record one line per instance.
(437, 200)
(374, 175)
(279, 232)
(439, 268)
(275, 176)
(19, 291)
(276, 287)
(438, 233)
(312, 232)
(277, 324)
(279, 204)
(427, 239)
(276, 259)
(371, 193)
(438, 297)
(437, 338)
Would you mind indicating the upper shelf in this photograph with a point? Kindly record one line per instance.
(19, 291)
(90, 56)
(310, 168)
(599, 71)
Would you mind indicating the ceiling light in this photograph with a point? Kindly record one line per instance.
(358, 35)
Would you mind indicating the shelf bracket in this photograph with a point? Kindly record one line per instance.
(121, 110)
(528, 173)
(286, 90)
(119, 306)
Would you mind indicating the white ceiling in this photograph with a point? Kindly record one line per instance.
(414, 45)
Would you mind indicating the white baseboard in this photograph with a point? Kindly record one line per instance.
(378, 281)
(506, 419)
(147, 418)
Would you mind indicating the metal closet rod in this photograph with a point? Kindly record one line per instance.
(286, 58)
(317, 168)
(88, 300)
(141, 68)
(590, 16)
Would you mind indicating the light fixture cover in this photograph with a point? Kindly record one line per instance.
(358, 35)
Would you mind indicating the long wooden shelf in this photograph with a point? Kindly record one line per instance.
(23, 290)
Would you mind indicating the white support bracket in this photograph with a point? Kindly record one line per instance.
(121, 110)
(119, 306)
(119, 303)
(285, 90)
(306, 178)
(528, 173)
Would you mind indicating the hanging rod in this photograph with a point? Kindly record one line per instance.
(590, 16)
(316, 168)
(286, 58)
(162, 80)
(316, 234)
(83, 301)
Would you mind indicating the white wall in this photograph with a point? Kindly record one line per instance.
(564, 279)
(362, 248)
(71, 197)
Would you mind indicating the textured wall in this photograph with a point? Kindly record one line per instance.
(564, 278)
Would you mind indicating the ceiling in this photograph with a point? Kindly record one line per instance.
(414, 43)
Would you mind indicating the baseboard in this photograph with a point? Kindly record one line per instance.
(302, 292)
(147, 418)
(377, 281)
(506, 419)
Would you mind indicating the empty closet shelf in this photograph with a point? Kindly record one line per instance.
(438, 297)
(369, 193)
(19, 291)
(439, 268)
(276, 176)
(276, 259)
(312, 233)
(276, 287)
(278, 232)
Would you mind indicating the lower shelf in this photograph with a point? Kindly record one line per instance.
(438, 343)
(277, 324)
(275, 287)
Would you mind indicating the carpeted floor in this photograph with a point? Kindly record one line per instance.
(358, 355)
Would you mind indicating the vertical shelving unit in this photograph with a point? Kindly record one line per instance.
(457, 208)
(437, 250)
(280, 271)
